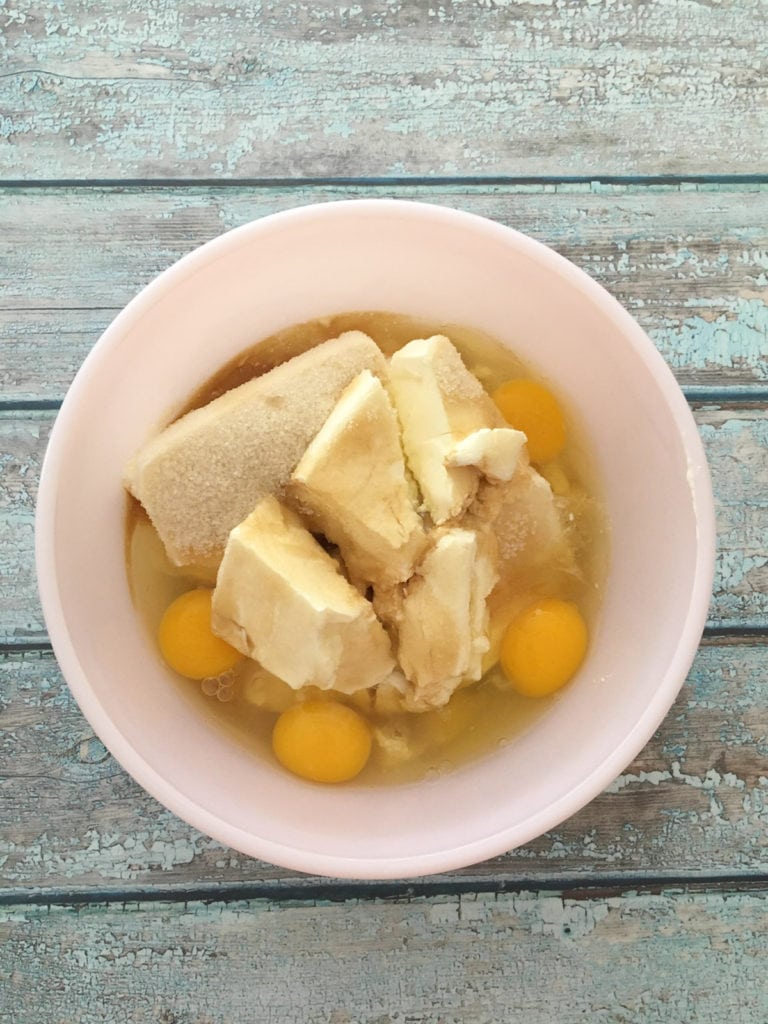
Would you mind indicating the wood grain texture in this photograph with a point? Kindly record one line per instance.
(457, 87)
(736, 442)
(522, 959)
(690, 264)
(21, 456)
(393, 89)
(694, 803)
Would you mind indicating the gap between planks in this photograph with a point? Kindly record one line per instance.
(671, 181)
(341, 891)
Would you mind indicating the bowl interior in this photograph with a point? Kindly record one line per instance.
(425, 262)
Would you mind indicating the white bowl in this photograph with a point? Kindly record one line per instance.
(429, 262)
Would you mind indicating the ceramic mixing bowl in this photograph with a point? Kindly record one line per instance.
(447, 266)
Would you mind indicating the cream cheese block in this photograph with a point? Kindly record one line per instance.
(442, 621)
(439, 402)
(203, 474)
(352, 482)
(281, 600)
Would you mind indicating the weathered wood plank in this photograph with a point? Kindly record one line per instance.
(694, 803)
(21, 455)
(736, 442)
(452, 960)
(41, 350)
(395, 87)
(691, 265)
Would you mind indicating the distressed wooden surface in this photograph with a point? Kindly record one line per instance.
(693, 804)
(522, 959)
(736, 441)
(690, 263)
(454, 87)
(218, 93)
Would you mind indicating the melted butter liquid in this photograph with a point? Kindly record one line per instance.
(478, 718)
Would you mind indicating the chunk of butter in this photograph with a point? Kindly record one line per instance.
(439, 402)
(528, 527)
(496, 451)
(281, 599)
(352, 481)
(442, 623)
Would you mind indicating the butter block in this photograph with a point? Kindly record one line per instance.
(439, 402)
(528, 526)
(281, 599)
(203, 474)
(442, 623)
(352, 482)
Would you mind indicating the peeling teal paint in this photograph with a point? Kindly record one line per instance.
(251, 89)
(737, 339)
(525, 957)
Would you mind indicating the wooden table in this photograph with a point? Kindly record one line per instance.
(631, 135)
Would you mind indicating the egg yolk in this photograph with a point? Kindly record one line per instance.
(556, 478)
(322, 740)
(187, 642)
(543, 647)
(530, 407)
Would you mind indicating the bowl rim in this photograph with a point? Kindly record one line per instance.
(411, 865)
